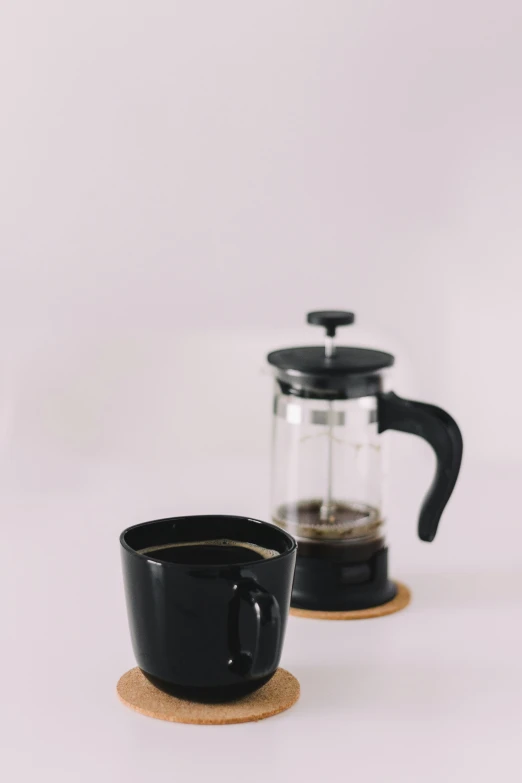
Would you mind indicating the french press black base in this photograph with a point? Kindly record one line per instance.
(330, 408)
(331, 583)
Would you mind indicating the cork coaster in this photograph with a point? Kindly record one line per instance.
(279, 694)
(401, 601)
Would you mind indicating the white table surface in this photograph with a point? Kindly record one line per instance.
(433, 693)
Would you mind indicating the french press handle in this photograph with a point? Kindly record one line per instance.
(442, 433)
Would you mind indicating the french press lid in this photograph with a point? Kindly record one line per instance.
(330, 371)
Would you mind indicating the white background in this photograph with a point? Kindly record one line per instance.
(179, 183)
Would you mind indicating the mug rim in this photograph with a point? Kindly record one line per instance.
(147, 558)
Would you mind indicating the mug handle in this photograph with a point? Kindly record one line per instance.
(442, 433)
(264, 657)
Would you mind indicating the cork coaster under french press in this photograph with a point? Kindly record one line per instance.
(331, 408)
(279, 694)
(400, 601)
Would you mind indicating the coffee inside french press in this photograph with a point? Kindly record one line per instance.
(330, 408)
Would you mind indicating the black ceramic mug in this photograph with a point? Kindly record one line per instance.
(207, 600)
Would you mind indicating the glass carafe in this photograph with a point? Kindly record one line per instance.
(330, 407)
(327, 468)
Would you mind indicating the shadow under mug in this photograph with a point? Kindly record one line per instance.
(208, 633)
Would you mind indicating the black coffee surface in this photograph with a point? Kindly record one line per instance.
(219, 552)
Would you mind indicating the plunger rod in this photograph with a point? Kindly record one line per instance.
(329, 347)
(327, 507)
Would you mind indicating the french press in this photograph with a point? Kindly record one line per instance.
(330, 408)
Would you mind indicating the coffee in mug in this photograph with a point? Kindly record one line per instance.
(218, 551)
